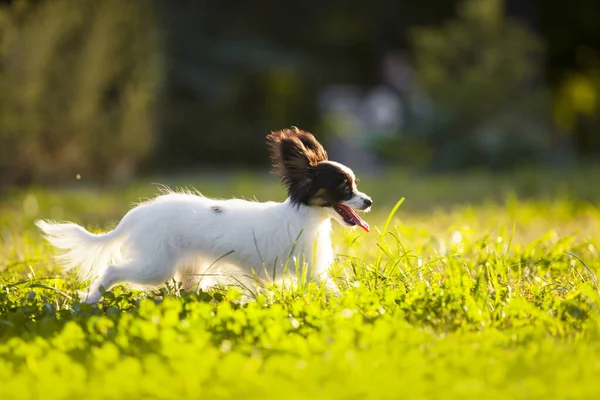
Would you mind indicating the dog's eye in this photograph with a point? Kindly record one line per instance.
(344, 184)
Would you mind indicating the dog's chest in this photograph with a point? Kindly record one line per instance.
(285, 245)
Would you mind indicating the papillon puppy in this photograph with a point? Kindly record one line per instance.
(183, 236)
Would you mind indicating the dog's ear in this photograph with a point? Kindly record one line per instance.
(294, 152)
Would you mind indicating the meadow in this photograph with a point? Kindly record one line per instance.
(468, 286)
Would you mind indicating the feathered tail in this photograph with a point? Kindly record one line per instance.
(90, 254)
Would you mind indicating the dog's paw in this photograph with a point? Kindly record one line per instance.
(86, 298)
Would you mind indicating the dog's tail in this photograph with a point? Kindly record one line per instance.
(88, 253)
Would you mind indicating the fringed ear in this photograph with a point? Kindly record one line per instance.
(294, 152)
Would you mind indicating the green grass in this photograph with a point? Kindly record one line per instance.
(480, 287)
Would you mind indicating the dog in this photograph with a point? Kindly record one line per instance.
(180, 235)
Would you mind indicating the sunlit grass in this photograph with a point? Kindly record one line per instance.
(476, 286)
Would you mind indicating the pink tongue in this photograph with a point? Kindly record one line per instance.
(355, 218)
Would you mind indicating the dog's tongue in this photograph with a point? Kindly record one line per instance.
(355, 218)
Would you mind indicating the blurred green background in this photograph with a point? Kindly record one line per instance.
(106, 91)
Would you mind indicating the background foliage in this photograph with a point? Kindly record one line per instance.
(106, 89)
(481, 72)
(80, 82)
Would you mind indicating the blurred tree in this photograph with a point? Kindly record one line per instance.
(97, 87)
(79, 82)
(483, 73)
(225, 88)
(239, 69)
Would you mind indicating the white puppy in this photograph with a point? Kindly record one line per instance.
(179, 235)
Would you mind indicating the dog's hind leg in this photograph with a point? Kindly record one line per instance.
(149, 273)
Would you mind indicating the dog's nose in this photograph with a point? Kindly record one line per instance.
(368, 202)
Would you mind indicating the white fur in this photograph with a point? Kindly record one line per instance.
(183, 236)
(186, 236)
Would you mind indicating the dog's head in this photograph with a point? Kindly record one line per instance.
(311, 179)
